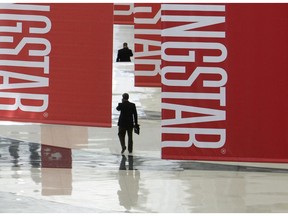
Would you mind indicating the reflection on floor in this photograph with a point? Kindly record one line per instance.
(41, 178)
(58, 168)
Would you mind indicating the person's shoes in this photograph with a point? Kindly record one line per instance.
(123, 150)
(130, 152)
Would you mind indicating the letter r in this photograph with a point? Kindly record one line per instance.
(17, 97)
(192, 132)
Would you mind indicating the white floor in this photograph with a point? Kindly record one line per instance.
(102, 180)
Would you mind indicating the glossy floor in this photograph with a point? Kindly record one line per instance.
(90, 174)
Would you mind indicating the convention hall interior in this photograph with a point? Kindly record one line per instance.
(92, 176)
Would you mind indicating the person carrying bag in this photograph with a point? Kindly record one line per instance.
(128, 120)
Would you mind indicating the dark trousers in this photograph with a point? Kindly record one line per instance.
(122, 133)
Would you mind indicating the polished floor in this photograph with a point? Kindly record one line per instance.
(73, 169)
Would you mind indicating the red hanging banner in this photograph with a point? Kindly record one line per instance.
(147, 34)
(55, 64)
(123, 13)
(224, 82)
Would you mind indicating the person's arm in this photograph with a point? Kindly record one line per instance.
(131, 53)
(118, 57)
(135, 115)
(119, 106)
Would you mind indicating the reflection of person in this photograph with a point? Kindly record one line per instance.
(124, 54)
(123, 162)
(127, 120)
(14, 152)
(35, 158)
(129, 183)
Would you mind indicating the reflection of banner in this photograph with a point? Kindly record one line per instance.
(224, 81)
(147, 19)
(56, 181)
(55, 64)
(123, 13)
(56, 157)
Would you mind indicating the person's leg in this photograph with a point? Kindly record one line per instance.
(121, 134)
(130, 139)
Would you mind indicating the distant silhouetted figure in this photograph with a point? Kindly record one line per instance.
(127, 120)
(124, 54)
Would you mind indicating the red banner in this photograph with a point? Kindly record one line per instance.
(147, 57)
(55, 64)
(224, 82)
(123, 13)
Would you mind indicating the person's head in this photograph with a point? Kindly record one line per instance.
(125, 45)
(125, 96)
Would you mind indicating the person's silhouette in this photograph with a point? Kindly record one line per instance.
(128, 118)
(124, 54)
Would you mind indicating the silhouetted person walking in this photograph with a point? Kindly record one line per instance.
(127, 120)
(124, 54)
